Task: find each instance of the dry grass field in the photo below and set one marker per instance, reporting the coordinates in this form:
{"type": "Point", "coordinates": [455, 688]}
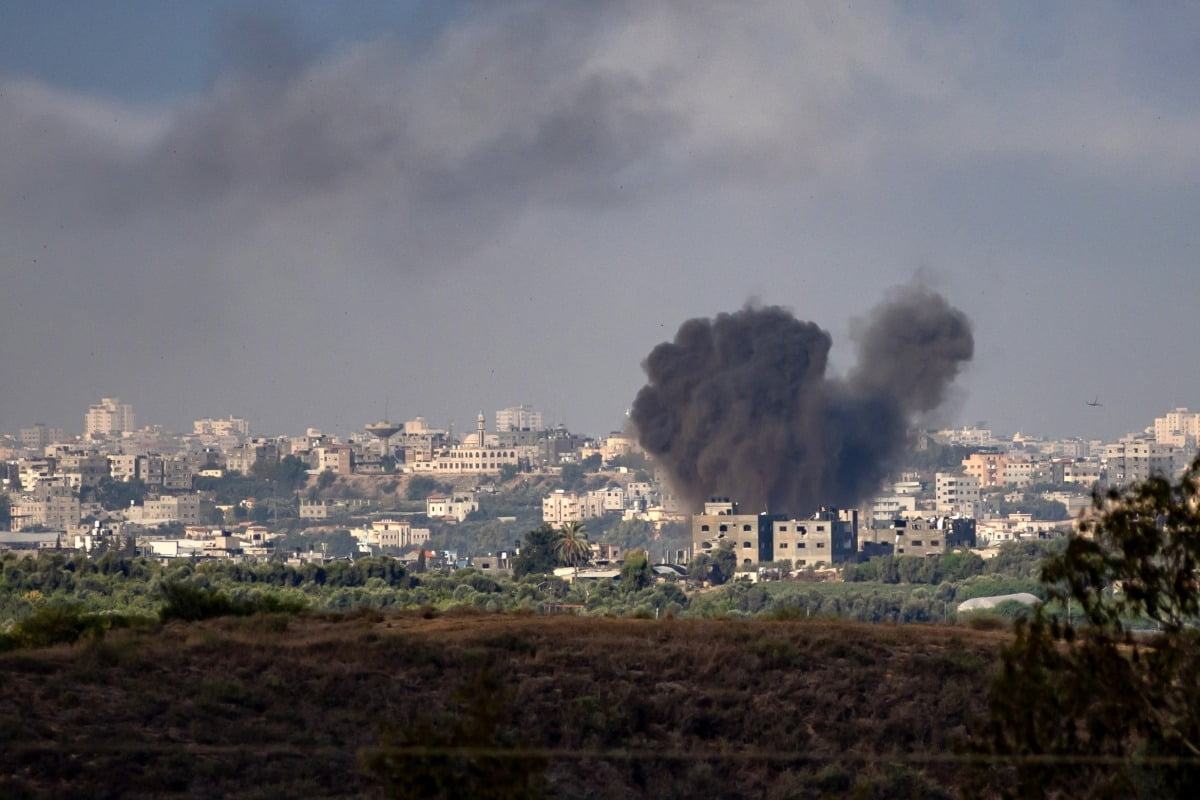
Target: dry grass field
{"type": "Point", "coordinates": [291, 706]}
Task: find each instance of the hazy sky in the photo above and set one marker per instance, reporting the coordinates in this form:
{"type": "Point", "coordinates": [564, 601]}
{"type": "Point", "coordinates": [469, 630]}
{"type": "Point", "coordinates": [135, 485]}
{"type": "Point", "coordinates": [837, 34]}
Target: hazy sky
{"type": "Point", "coordinates": [300, 213]}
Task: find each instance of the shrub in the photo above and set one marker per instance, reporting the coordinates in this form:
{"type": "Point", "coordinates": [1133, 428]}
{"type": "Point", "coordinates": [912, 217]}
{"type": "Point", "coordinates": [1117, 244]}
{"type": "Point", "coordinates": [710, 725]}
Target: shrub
{"type": "Point", "coordinates": [190, 603]}
{"type": "Point", "coordinates": [62, 623]}
{"type": "Point", "coordinates": [985, 621]}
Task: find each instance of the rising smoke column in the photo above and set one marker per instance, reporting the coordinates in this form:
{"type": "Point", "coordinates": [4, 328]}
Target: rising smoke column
{"type": "Point", "coordinates": [740, 405]}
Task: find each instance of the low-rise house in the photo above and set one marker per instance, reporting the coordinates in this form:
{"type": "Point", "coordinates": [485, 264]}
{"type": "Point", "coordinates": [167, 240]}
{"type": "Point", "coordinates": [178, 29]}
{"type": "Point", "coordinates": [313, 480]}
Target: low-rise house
{"type": "Point", "coordinates": [572, 574]}
{"type": "Point", "coordinates": [453, 507]}
{"type": "Point", "coordinates": [28, 543]}
{"type": "Point", "coordinates": [1016, 526]}
{"type": "Point", "coordinates": [392, 534]}
{"type": "Point", "coordinates": [493, 564]}
{"type": "Point", "coordinates": [604, 552]}
{"type": "Point", "coordinates": [174, 548]}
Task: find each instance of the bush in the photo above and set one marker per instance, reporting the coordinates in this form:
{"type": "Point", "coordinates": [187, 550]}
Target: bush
{"type": "Point", "coordinates": [985, 621]}
{"type": "Point", "coordinates": [190, 603]}
{"type": "Point", "coordinates": [51, 624]}
{"type": "Point", "coordinates": [62, 623]}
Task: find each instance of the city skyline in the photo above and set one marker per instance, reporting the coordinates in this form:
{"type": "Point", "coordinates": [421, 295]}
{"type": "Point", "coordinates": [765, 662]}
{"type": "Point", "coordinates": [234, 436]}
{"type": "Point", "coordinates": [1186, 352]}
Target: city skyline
{"type": "Point", "coordinates": [305, 215]}
{"type": "Point", "coordinates": [1163, 424]}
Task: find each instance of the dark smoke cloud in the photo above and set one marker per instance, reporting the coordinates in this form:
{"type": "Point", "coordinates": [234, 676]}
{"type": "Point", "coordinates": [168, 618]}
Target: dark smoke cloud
{"type": "Point", "coordinates": [741, 406]}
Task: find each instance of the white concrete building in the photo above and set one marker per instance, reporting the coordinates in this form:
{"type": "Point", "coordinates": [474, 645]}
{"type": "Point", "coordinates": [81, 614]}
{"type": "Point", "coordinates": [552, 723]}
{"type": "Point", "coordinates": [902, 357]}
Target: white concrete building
{"type": "Point", "coordinates": [561, 506]}
{"type": "Point", "coordinates": [453, 507]}
{"type": "Point", "coordinates": [893, 506]}
{"type": "Point", "coordinates": [598, 502]}
{"type": "Point", "coordinates": [1180, 428]}
{"type": "Point", "coordinates": [471, 460]}
{"type": "Point", "coordinates": [231, 427]}
{"type": "Point", "coordinates": [391, 533]}
{"type": "Point", "coordinates": [516, 418]}
{"type": "Point", "coordinates": [109, 417]}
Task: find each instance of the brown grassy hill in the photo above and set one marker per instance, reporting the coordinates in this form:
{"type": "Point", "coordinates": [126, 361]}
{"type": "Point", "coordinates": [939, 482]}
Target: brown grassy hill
{"type": "Point", "coordinates": [287, 706]}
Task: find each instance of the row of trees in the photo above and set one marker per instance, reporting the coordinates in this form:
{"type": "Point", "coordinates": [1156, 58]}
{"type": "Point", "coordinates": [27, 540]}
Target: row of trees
{"type": "Point", "coordinates": [120, 583]}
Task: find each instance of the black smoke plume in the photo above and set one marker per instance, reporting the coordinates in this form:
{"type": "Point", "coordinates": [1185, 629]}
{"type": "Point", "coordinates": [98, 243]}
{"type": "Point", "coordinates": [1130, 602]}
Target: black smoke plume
{"type": "Point", "coordinates": [741, 406]}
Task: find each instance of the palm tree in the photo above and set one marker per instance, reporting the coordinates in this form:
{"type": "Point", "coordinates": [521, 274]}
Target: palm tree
{"type": "Point", "coordinates": [571, 544]}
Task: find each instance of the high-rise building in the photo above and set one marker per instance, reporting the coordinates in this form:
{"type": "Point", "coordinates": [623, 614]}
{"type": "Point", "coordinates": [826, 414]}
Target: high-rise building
{"type": "Point", "coordinates": [516, 418]}
{"type": "Point", "coordinates": [109, 417]}
{"type": "Point", "coordinates": [1180, 428]}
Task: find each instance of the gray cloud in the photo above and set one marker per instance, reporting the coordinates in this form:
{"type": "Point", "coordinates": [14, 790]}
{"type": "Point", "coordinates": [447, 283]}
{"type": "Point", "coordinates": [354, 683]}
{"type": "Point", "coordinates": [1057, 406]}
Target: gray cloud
{"type": "Point", "coordinates": [216, 232]}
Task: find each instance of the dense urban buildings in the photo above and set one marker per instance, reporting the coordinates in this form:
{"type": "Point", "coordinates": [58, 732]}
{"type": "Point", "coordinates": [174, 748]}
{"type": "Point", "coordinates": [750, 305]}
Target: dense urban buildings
{"type": "Point", "coordinates": [116, 480]}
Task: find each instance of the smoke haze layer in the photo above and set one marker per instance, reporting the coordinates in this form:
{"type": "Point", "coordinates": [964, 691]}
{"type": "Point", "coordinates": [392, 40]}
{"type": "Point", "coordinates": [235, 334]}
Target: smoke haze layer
{"type": "Point", "coordinates": [740, 405]}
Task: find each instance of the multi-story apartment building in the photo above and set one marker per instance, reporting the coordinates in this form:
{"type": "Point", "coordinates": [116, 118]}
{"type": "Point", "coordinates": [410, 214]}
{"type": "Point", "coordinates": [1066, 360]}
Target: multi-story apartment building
{"type": "Point", "coordinates": [1134, 459]}
{"type": "Point", "coordinates": [1088, 473]}
{"type": "Point", "coordinates": [159, 473]}
{"type": "Point", "coordinates": [234, 427]}
{"type": "Point", "coordinates": [390, 533]}
{"type": "Point", "coordinates": [967, 437]}
{"type": "Point", "coordinates": [336, 458]}
{"type": "Point", "coordinates": [986, 466]}
{"type": "Point", "coordinates": [48, 504]}
{"type": "Point", "coordinates": [518, 418]}
{"type": "Point", "coordinates": [39, 436]}
{"type": "Point", "coordinates": [1069, 448]}
{"type": "Point", "coordinates": [83, 469]}
{"type": "Point", "coordinates": [561, 506]}
{"type": "Point", "coordinates": [123, 467]}
{"type": "Point", "coordinates": [893, 506]}
{"type": "Point", "coordinates": [750, 535]}
{"type": "Point", "coordinates": [109, 417]}
{"type": "Point", "coordinates": [918, 536]}
{"type": "Point", "coordinates": [243, 457]}
{"type": "Point", "coordinates": [598, 502]}
{"type": "Point", "coordinates": [184, 508]}
{"type": "Point", "coordinates": [828, 537]}
{"type": "Point", "coordinates": [178, 474]}
{"type": "Point", "coordinates": [957, 494]}
{"type": "Point", "coordinates": [1180, 428]}
{"type": "Point", "coordinates": [32, 471]}
{"type": "Point", "coordinates": [1023, 469]}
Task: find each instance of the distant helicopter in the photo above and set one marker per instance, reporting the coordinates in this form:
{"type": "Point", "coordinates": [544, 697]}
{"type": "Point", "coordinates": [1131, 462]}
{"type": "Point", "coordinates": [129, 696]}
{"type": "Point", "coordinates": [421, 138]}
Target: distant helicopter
{"type": "Point", "coordinates": [1096, 403]}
